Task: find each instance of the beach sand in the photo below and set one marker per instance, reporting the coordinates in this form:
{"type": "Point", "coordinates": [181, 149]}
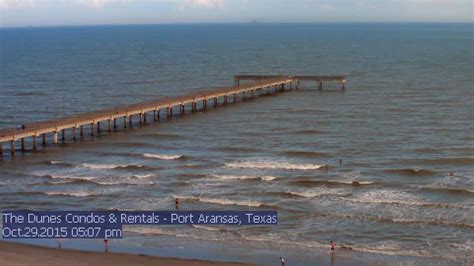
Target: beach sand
{"type": "Point", "coordinates": [24, 254]}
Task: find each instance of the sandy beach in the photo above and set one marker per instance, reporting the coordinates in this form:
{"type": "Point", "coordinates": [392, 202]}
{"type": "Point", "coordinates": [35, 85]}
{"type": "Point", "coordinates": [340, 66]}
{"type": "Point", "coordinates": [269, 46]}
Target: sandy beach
{"type": "Point", "coordinates": [24, 254]}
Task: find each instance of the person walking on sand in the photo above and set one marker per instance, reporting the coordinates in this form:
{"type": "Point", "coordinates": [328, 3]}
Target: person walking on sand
{"type": "Point", "coordinates": [282, 261]}
{"type": "Point", "coordinates": [333, 247]}
{"type": "Point", "coordinates": [106, 245]}
{"type": "Point", "coordinates": [176, 201]}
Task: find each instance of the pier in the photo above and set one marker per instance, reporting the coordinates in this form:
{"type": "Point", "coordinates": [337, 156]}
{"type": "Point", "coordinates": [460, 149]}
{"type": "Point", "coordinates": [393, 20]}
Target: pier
{"type": "Point", "coordinates": [124, 115]}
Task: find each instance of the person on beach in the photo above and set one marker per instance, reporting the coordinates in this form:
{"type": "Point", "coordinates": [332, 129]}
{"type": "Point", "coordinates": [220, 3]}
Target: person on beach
{"type": "Point", "coordinates": [106, 245]}
{"type": "Point", "coordinates": [176, 201]}
{"type": "Point", "coordinates": [282, 261]}
{"type": "Point", "coordinates": [333, 247]}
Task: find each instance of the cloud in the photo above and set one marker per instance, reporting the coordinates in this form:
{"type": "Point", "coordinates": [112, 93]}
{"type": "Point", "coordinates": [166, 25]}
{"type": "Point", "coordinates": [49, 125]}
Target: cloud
{"type": "Point", "coordinates": [32, 3]}
{"type": "Point", "coordinates": [99, 3]}
{"type": "Point", "coordinates": [205, 3]}
{"type": "Point", "coordinates": [16, 3]}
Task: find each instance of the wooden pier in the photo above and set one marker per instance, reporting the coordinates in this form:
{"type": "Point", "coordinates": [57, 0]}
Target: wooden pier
{"type": "Point", "coordinates": [318, 79]}
{"type": "Point", "coordinates": [111, 116]}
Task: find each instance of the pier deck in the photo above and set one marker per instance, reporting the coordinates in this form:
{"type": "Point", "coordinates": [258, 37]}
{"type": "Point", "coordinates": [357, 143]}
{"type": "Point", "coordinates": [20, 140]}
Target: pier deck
{"type": "Point", "coordinates": [110, 116]}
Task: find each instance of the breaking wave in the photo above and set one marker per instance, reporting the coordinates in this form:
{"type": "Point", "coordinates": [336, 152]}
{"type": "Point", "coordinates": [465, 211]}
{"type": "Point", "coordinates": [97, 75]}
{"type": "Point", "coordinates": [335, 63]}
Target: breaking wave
{"type": "Point", "coordinates": [70, 194]}
{"type": "Point", "coordinates": [163, 156]}
{"type": "Point", "coordinates": [221, 201]}
{"type": "Point", "coordinates": [317, 183]}
{"type": "Point", "coordinates": [274, 165]}
{"type": "Point", "coordinates": [113, 166]}
{"type": "Point", "coordinates": [244, 177]}
{"type": "Point", "coordinates": [411, 172]}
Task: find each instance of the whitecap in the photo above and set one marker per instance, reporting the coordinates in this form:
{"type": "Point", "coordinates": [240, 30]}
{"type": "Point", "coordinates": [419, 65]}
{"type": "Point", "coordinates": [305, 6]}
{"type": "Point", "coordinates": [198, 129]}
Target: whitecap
{"type": "Point", "coordinates": [243, 177]}
{"type": "Point", "coordinates": [72, 194]}
{"type": "Point", "coordinates": [162, 156]}
{"type": "Point", "coordinates": [274, 165]}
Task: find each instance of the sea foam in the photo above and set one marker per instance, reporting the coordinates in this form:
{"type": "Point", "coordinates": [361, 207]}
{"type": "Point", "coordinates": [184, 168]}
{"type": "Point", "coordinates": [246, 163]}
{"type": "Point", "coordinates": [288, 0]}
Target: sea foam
{"type": "Point", "coordinates": [274, 165]}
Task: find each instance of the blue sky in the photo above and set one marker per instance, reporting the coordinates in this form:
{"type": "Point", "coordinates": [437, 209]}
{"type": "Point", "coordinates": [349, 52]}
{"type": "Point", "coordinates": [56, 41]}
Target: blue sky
{"type": "Point", "coordinates": [19, 13]}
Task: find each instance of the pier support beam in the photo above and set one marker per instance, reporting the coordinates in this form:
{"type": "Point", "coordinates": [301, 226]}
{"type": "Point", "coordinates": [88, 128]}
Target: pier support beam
{"type": "Point", "coordinates": [130, 121]}
{"type": "Point", "coordinates": [98, 127]}
{"type": "Point", "coordinates": [82, 131]}
{"type": "Point", "coordinates": [12, 147]}
{"type": "Point", "coordinates": [225, 99]}
{"type": "Point", "coordinates": [154, 115]}
{"type": "Point", "coordinates": [34, 143]}
{"type": "Point", "coordinates": [298, 84]}
{"type": "Point", "coordinates": [115, 123]}
{"type": "Point", "coordinates": [181, 109]}
{"type": "Point", "coordinates": [92, 129]}
{"type": "Point", "coordinates": [110, 125]}
{"type": "Point", "coordinates": [63, 134]}
{"type": "Point", "coordinates": [320, 86]}
{"type": "Point", "coordinates": [55, 137]}
{"type": "Point", "coordinates": [204, 104]}
{"type": "Point", "coordinates": [44, 138]}
{"type": "Point", "coordinates": [1, 148]}
{"type": "Point", "coordinates": [140, 118]}
{"type": "Point", "coordinates": [144, 118]}
{"type": "Point", "coordinates": [22, 144]}
{"type": "Point", "coordinates": [158, 115]}
{"type": "Point", "coordinates": [74, 133]}
{"type": "Point", "coordinates": [343, 86]}
{"type": "Point", "coordinates": [215, 102]}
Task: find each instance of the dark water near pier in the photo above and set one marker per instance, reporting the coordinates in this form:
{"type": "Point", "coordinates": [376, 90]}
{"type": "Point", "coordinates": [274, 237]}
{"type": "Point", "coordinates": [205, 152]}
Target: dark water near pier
{"type": "Point", "coordinates": [404, 123]}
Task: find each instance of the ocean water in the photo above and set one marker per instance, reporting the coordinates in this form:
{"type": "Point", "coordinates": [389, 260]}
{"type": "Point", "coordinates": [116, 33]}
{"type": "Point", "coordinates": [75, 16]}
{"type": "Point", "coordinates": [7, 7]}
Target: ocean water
{"type": "Point", "coordinates": [403, 124]}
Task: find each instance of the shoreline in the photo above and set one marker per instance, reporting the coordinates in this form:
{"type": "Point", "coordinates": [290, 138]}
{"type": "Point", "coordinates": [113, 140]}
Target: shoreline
{"type": "Point", "coordinates": [13, 253]}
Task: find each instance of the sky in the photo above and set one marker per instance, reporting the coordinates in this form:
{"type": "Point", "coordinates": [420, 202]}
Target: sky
{"type": "Point", "coordinates": [21, 13]}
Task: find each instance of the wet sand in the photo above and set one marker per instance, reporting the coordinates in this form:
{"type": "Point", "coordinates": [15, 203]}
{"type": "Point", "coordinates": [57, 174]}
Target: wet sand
{"type": "Point", "coordinates": [24, 254]}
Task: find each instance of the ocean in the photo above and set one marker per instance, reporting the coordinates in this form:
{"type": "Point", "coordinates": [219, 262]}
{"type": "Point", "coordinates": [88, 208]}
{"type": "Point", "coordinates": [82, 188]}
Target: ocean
{"type": "Point", "coordinates": [404, 123]}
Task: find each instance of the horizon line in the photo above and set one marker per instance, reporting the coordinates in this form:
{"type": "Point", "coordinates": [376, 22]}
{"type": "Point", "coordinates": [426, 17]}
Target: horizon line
{"type": "Point", "coordinates": [235, 23]}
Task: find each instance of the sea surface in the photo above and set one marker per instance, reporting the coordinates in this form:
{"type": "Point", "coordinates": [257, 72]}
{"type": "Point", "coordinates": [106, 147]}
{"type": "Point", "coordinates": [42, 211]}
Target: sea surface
{"type": "Point", "coordinates": [404, 123]}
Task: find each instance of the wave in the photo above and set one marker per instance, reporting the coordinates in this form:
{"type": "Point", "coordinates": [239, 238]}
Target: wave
{"type": "Point", "coordinates": [210, 228]}
{"type": "Point", "coordinates": [274, 165]}
{"type": "Point", "coordinates": [114, 166]}
{"type": "Point", "coordinates": [163, 156]}
{"type": "Point", "coordinates": [368, 199]}
{"type": "Point", "coordinates": [411, 172]}
{"type": "Point", "coordinates": [317, 183]}
{"type": "Point", "coordinates": [238, 149]}
{"type": "Point", "coordinates": [221, 201]}
{"type": "Point", "coordinates": [309, 132]}
{"type": "Point", "coordinates": [70, 194]}
{"type": "Point", "coordinates": [306, 154]}
{"type": "Point", "coordinates": [449, 190]}
{"type": "Point", "coordinates": [235, 177]}
{"type": "Point", "coordinates": [70, 177]}
{"type": "Point", "coordinates": [448, 161]}
{"type": "Point", "coordinates": [307, 193]}
{"type": "Point", "coordinates": [162, 135]}
{"type": "Point", "coordinates": [143, 176]}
